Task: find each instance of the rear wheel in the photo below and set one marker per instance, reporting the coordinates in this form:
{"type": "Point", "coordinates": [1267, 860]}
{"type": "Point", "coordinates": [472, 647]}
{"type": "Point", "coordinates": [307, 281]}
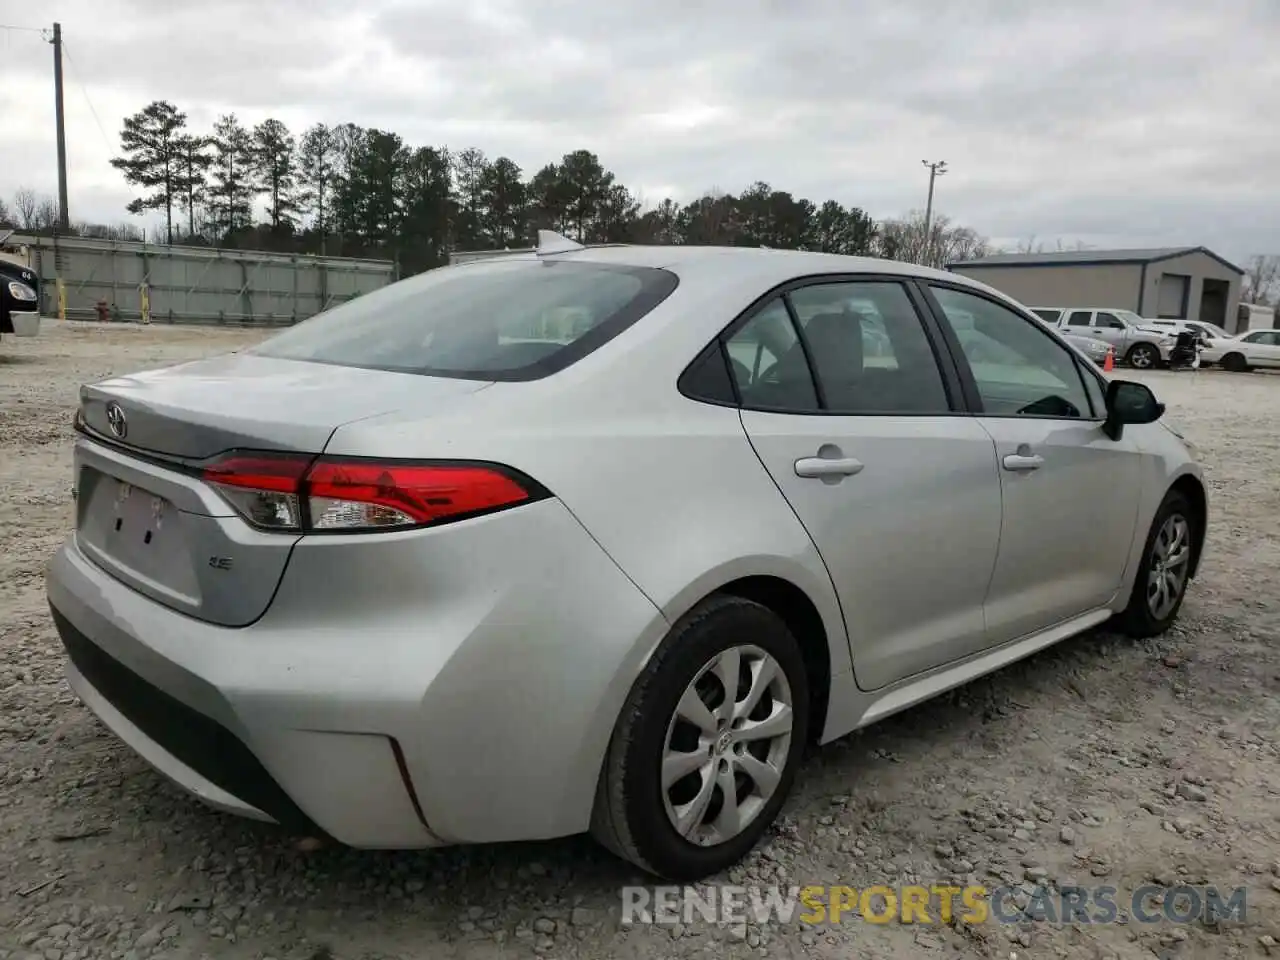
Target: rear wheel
{"type": "Point", "coordinates": [1161, 584]}
{"type": "Point", "coordinates": [1143, 356]}
{"type": "Point", "coordinates": [1235, 362]}
{"type": "Point", "coordinates": [706, 748]}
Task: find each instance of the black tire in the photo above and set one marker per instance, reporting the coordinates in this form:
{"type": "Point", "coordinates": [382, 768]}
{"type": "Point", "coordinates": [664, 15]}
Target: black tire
{"type": "Point", "coordinates": [1138, 620]}
{"type": "Point", "coordinates": [630, 816]}
{"type": "Point", "coordinates": [1235, 362]}
{"type": "Point", "coordinates": [1143, 356]}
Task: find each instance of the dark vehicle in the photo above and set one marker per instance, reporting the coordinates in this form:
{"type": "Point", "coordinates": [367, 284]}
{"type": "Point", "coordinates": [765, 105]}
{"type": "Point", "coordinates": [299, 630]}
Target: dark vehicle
{"type": "Point", "coordinates": [1185, 354]}
{"type": "Point", "coordinates": [19, 292]}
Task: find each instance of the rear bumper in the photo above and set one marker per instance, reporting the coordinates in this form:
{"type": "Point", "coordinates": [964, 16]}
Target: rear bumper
{"type": "Point", "coordinates": [448, 686]}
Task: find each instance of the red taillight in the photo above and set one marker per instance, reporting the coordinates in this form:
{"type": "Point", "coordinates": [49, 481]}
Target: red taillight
{"type": "Point", "coordinates": [337, 494]}
{"type": "Point", "coordinates": [281, 474]}
{"type": "Point", "coordinates": [390, 495]}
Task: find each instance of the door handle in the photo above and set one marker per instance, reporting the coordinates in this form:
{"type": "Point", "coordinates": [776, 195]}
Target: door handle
{"type": "Point", "coordinates": [1021, 463]}
{"type": "Point", "coordinates": [828, 467]}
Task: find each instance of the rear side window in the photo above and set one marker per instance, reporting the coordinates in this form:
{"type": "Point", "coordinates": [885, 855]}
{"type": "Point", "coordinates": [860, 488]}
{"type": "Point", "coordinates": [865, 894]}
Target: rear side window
{"type": "Point", "coordinates": [507, 320]}
{"type": "Point", "coordinates": [1049, 316]}
{"type": "Point", "coordinates": [1080, 318]}
{"type": "Point", "coordinates": [869, 349]}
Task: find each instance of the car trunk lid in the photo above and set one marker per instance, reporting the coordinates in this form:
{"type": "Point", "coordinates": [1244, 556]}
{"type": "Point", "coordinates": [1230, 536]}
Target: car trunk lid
{"type": "Point", "coordinates": [144, 514]}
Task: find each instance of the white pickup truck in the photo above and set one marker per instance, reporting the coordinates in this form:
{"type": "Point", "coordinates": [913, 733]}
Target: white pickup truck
{"type": "Point", "coordinates": [1136, 341]}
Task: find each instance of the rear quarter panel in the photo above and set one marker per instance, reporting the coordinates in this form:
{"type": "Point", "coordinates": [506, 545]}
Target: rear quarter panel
{"type": "Point", "coordinates": [669, 487]}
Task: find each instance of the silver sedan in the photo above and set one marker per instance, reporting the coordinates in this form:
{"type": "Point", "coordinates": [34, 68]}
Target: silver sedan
{"type": "Point", "coordinates": [599, 539]}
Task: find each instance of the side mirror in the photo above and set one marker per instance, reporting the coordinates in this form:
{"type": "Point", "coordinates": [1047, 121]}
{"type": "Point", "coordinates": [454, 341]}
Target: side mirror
{"type": "Point", "coordinates": [1129, 402]}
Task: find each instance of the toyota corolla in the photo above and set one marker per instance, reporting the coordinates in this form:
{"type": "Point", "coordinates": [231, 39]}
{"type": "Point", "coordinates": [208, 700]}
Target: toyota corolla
{"type": "Point", "coordinates": [599, 539]}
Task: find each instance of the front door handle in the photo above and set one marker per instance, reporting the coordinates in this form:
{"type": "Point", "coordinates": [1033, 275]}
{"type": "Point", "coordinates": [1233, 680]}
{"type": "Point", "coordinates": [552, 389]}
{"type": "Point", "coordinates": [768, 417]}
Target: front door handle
{"type": "Point", "coordinates": [1021, 463]}
{"type": "Point", "coordinates": [828, 467]}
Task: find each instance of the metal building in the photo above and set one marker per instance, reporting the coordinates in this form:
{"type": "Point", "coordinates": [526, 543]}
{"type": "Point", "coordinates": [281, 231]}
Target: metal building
{"type": "Point", "coordinates": [1175, 283]}
{"type": "Point", "coordinates": [194, 284]}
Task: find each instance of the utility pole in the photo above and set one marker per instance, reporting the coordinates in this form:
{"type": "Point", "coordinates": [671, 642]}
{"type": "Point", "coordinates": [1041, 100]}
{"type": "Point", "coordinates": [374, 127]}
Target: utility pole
{"type": "Point", "coordinates": [60, 119]}
{"type": "Point", "coordinates": [936, 170]}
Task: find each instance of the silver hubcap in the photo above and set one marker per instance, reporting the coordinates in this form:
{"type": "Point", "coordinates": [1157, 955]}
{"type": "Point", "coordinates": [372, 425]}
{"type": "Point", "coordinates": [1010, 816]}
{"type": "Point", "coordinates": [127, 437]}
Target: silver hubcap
{"type": "Point", "coordinates": [1169, 558]}
{"type": "Point", "coordinates": [1141, 358]}
{"type": "Point", "coordinates": [726, 745]}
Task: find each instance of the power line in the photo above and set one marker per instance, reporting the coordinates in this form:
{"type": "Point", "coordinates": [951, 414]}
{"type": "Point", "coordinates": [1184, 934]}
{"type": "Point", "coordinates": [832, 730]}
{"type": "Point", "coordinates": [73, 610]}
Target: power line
{"type": "Point", "coordinates": [9, 26]}
{"type": "Point", "coordinates": [85, 93]}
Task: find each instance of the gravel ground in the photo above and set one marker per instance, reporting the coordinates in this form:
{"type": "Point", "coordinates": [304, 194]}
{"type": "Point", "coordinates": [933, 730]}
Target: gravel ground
{"type": "Point", "coordinates": [1101, 761]}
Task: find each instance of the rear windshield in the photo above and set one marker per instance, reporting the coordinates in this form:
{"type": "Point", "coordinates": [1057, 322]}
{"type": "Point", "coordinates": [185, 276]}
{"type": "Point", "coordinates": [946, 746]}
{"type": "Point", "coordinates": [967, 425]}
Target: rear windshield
{"type": "Point", "coordinates": [505, 320]}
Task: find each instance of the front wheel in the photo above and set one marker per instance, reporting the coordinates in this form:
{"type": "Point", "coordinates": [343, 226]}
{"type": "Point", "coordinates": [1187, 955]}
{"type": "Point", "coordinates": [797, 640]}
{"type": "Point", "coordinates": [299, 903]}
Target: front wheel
{"type": "Point", "coordinates": [1235, 362]}
{"type": "Point", "coordinates": [1161, 583]}
{"type": "Point", "coordinates": [706, 749]}
{"type": "Point", "coordinates": [1143, 356]}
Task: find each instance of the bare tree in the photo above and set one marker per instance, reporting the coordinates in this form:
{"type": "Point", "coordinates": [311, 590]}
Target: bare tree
{"type": "Point", "coordinates": [47, 214]}
{"type": "Point", "coordinates": [6, 216]}
{"type": "Point", "coordinates": [1261, 279]}
{"type": "Point", "coordinates": [26, 202]}
{"type": "Point", "coordinates": [945, 243]}
{"type": "Point", "coordinates": [107, 231]}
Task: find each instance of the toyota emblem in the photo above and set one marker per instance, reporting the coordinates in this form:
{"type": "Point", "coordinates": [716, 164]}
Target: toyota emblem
{"type": "Point", "coordinates": [116, 420]}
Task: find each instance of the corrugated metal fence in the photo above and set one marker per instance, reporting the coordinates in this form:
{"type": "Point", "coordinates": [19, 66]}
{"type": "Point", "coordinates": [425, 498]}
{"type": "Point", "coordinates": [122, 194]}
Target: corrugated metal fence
{"type": "Point", "coordinates": [195, 284]}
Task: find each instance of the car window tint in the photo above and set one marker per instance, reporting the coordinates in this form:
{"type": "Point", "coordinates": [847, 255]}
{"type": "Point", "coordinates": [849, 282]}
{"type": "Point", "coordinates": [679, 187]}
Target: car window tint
{"type": "Point", "coordinates": [707, 378]}
{"type": "Point", "coordinates": [1081, 318]}
{"type": "Point", "coordinates": [1020, 370]}
{"type": "Point", "coordinates": [1109, 320]}
{"type": "Point", "coordinates": [769, 363]}
{"type": "Point", "coordinates": [869, 348]}
{"type": "Point", "coordinates": [505, 320]}
{"type": "Point", "coordinates": [1051, 316]}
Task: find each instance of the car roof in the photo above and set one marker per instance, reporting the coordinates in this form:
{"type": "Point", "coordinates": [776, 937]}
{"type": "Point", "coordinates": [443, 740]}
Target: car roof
{"type": "Point", "coordinates": [766, 267]}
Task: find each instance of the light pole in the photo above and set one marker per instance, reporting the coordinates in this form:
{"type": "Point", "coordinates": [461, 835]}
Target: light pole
{"type": "Point", "coordinates": [936, 169]}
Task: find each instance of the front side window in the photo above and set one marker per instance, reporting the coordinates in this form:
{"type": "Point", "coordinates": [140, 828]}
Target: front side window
{"type": "Point", "coordinates": [870, 352]}
{"type": "Point", "coordinates": [1019, 369]}
{"type": "Point", "coordinates": [503, 320]}
{"type": "Point", "coordinates": [1110, 321]}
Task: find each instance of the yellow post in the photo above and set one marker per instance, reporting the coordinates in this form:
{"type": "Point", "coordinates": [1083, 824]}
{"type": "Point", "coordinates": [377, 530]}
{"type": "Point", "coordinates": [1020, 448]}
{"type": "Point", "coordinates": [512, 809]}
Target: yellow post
{"type": "Point", "coordinates": [62, 299]}
{"type": "Point", "coordinates": [144, 297]}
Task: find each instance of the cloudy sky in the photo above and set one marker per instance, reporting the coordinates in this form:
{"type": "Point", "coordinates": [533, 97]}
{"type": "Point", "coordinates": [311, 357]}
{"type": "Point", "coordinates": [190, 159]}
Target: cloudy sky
{"type": "Point", "coordinates": [1107, 122]}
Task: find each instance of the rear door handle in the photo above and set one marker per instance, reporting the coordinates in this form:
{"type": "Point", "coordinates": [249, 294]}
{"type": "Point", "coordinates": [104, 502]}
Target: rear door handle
{"type": "Point", "coordinates": [1021, 463]}
{"type": "Point", "coordinates": [828, 467]}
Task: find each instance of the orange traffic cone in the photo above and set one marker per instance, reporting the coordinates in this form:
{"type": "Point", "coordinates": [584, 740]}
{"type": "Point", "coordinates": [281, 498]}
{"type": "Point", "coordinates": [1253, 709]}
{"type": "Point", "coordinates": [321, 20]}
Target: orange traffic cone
{"type": "Point", "coordinates": [1109, 364]}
